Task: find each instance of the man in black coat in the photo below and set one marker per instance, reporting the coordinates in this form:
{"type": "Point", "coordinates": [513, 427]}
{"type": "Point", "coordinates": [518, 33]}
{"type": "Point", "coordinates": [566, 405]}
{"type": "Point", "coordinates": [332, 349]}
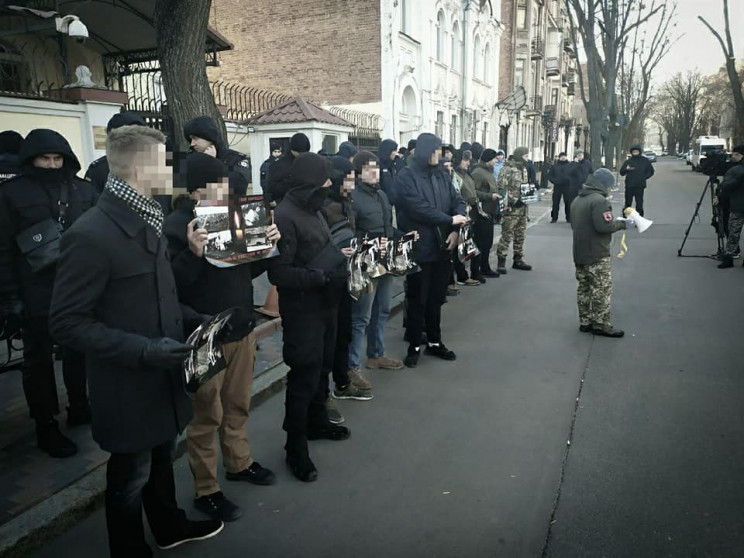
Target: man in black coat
{"type": "Point", "coordinates": [276, 154]}
{"type": "Point", "coordinates": [430, 205]}
{"type": "Point", "coordinates": [280, 179]}
{"type": "Point", "coordinates": [578, 170]}
{"type": "Point", "coordinates": [560, 176]}
{"type": "Point", "coordinates": [115, 300]}
{"type": "Point", "coordinates": [204, 136]}
{"type": "Point", "coordinates": [388, 167]}
{"type": "Point", "coordinates": [10, 146]}
{"type": "Point", "coordinates": [310, 275]}
{"type": "Point", "coordinates": [636, 170]}
{"type": "Point", "coordinates": [732, 192]}
{"type": "Point", "coordinates": [222, 404]}
{"type": "Point", "coordinates": [38, 204]}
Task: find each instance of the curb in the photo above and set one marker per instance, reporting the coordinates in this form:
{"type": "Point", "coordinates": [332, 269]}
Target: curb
{"type": "Point", "coordinates": [34, 527]}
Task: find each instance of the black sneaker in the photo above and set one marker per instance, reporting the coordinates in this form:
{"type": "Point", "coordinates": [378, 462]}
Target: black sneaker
{"type": "Point", "coordinates": [440, 351]}
{"type": "Point", "coordinates": [491, 273]}
{"type": "Point", "coordinates": [301, 466]}
{"type": "Point", "coordinates": [52, 441]}
{"type": "Point", "coordinates": [194, 531]}
{"type": "Point", "coordinates": [218, 506]}
{"type": "Point", "coordinates": [607, 331]}
{"type": "Point", "coordinates": [411, 360]}
{"type": "Point", "coordinates": [254, 474]}
{"type": "Point", "coordinates": [328, 431]}
{"type": "Point", "coordinates": [480, 279]}
{"type": "Point", "coordinates": [78, 415]}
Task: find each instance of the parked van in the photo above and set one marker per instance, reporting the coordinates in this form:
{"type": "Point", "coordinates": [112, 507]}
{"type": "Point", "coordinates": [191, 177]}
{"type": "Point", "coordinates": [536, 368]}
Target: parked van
{"type": "Point", "coordinates": [703, 146]}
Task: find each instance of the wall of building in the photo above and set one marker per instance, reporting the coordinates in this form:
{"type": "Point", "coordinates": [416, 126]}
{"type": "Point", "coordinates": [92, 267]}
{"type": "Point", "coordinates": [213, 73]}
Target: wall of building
{"type": "Point", "coordinates": [328, 51]}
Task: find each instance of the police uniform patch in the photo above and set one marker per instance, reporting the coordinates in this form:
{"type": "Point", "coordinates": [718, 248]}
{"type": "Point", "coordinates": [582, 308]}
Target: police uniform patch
{"type": "Point", "coordinates": [607, 216]}
{"type": "Point", "coordinates": [243, 163]}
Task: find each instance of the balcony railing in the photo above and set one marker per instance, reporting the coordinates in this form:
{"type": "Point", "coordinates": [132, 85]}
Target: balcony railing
{"type": "Point", "coordinates": [538, 49]}
{"type": "Point", "coordinates": [552, 67]}
{"type": "Point", "coordinates": [571, 90]}
{"type": "Point", "coordinates": [568, 48]}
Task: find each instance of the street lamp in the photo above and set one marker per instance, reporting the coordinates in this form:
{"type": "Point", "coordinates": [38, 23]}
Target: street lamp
{"type": "Point", "coordinates": [567, 125]}
{"type": "Point", "coordinates": [577, 142]}
{"type": "Point", "coordinates": [586, 137]}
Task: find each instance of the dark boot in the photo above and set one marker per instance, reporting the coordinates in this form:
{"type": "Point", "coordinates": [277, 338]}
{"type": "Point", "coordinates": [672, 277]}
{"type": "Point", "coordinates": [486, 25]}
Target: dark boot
{"type": "Point", "coordinates": [726, 262]}
{"type": "Point", "coordinates": [519, 263]}
{"type": "Point", "coordinates": [501, 265]}
{"type": "Point", "coordinates": [78, 415]}
{"type": "Point", "coordinates": [606, 330]}
{"type": "Point", "coordinates": [52, 441]}
{"type": "Point", "coordinates": [298, 459]}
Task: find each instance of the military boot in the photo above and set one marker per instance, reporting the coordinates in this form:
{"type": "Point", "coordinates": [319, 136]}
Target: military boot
{"type": "Point", "coordinates": [726, 262]}
{"type": "Point", "coordinates": [519, 263]}
{"type": "Point", "coordinates": [501, 265]}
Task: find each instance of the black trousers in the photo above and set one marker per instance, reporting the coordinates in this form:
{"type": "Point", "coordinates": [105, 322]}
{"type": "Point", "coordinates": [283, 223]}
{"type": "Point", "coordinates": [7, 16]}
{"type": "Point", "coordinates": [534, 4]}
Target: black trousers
{"type": "Point", "coordinates": [458, 270]}
{"type": "Point", "coordinates": [39, 382]}
{"type": "Point", "coordinates": [309, 328]}
{"type": "Point", "coordinates": [340, 370]}
{"type": "Point", "coordinates": [636, 193]}
{"type": "Point", "coordinates": [558, 193]}
{"type": "Point", "coordinates": [427, 290]}
{"type": "Point", "coordinates": [483, 233]}
{"type": "Point", "coordinates": [134, 480]}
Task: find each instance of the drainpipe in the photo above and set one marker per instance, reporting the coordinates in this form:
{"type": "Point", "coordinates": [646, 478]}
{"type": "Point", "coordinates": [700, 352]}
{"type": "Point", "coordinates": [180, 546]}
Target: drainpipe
{"type": "Point", "coordinates": [465, 88]}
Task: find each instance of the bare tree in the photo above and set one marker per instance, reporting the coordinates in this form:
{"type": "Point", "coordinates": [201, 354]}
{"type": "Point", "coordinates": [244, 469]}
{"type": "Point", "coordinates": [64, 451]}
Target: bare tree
{"type": "Point", "coordinates": [603, 27]}
{"type": "Point", "coordinates": [685, 104]}
{"type": "Point", "coordinates": [181, 36]}
{"type": "Point", "coordinates": [734, 79]}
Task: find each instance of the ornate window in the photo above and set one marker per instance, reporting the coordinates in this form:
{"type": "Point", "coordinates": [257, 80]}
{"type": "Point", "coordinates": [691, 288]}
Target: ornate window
{"type": "Point", "coordinates": [456, 49]}
{"type": "Point", "coordinates": [13, 70]}
{"type": "Point", "coordinates": [487, 64]}
{"type": "Point", "coordinates": [440, 36]}
{"type": "Point", "coordinates": [477, 63]}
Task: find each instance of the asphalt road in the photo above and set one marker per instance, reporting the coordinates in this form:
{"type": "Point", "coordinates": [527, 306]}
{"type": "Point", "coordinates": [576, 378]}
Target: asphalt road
{"type": "Point", "coordinates": [471, 458]}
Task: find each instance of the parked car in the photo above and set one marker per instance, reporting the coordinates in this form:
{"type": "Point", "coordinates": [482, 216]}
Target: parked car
{"type": "Point", "coordinates": [664, 153]}
{"type": "Point", "coordinates": [688, 157]}
{"type": "Point", "coordinates": [650, 155]}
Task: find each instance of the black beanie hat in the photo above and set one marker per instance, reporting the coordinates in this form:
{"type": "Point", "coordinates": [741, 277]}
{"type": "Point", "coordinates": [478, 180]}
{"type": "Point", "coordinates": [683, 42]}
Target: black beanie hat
{"type": "Point", "coordinates": [363, 158]}
{"type": "Point", "coordinates": [203, 169]}
{"type": "Point", "coordinates": [461, 155]}
{"type": "Point", "coordinates": [477, 150]}
{"type": "Point", "coordinates": [411, 144]}
{"type": "Point", "coordinates": [10, 142]}
{"type": "Point", "coordinates": [274, 146]}
{"type": "Point", "coordinates": [562, 154]}
{"type": "Point", "coordinates": [125, 119]}
{"type": "Point", "coordinates": [488, 155]}
{"type": "Point", "coordinates": [299, 143]}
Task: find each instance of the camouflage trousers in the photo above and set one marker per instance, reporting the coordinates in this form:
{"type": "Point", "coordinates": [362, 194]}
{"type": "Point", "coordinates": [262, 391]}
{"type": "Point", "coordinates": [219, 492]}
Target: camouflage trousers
{"type": "Point", "coordinates": [513, 228]}
{"type": "Point", "coordinates": [594, 292]}
{"type": "Point", "coordinates": [735, 224]}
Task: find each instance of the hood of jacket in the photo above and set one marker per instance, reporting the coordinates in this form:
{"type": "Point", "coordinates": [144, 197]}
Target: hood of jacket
{"type": "Point", "coordinates": [347, 149]}
{"type": "Point", "coordinates": [41, 141]}
{"type": "Point", "coordinates": [426, 144]}
{"type": "Point", "coordinates": [386, 148]}
{"type": "Point", "coordinates": [593, 186]}
{"type": "Point", "coordinates": [205, 127]}
{"type": "Point", "coordinates": [309, 172]}
{"type": "Point", "coordinates": [500, 163]}
{"type": "Point", "coordinates": [340, 168]}
{"type": "Point", "coordinates": [638, 148]}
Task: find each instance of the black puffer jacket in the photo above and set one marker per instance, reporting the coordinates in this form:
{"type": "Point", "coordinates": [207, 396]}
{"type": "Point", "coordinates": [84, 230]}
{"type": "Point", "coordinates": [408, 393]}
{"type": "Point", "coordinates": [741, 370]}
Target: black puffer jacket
{"type": "Point", "coordinates": [559, 174]}
{"type": "Point", "coordinates": [732, 187]}
{"type": "Point", "coordinates": [279, 179]}
{"type": "Point", "coordinates": [388, 168]}
{"type": "Point", "coordinates": [637, 169]}
{"type": "Point", "coordinates": [374, 215]}
{"type": "Point", "coordinates": [29, 199]}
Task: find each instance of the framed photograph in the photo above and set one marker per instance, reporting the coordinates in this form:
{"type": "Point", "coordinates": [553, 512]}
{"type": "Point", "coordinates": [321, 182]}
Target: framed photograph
{"type": "Point", "coordinates": [207, 359]}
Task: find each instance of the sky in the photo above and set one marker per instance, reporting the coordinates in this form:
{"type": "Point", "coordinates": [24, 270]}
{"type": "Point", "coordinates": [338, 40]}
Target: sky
{"type": "Point", "coordinates": [698, 48]}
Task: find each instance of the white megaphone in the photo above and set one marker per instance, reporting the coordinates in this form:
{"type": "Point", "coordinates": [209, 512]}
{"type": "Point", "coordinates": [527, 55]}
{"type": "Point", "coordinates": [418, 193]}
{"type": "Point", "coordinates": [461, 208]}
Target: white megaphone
{"type": "Point", "coordinates": [641, 223]}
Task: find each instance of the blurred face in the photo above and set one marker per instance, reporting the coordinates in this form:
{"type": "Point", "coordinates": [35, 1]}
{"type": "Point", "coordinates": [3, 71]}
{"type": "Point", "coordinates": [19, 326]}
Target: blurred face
{"type": "Point", "coordinates": [448, 165]}
{"type": "Point", "coordinates": [562, 158]}
{"type": "Point", "coordinates": [635, 152]}
{"type": "Point", "coordinates": [276, 153]}
{"type": "Point", "coordinates": [737, 157]}
{"type": "Point", "coordinates": [49, 161]}
{"type": "Point", "coordinates": [464, 165]}
{"type": "Point", "coordinates": [347, 186]}
{"type": "Point", "coordinates": [371, 173]}
{"type": "Point", "coordinates": [579, 156]}
{"type": "Point", "coordinates": [434, 158]}
{"type": "Point", "coordinates": [200, 144]}
{"type": "Point", "coordinates": [499, 157]}
{"type": "Point", "coordinates": [213, 191]}
{"type": "Point", "coordinates": [393, 155]}
{"type": "Point", "coordinates": [151, 173]}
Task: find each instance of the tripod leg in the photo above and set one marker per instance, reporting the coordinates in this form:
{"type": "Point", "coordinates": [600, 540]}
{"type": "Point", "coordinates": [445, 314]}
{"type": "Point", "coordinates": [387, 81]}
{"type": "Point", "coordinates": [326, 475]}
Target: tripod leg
{"type": "Point", "coordinates": [695, 215]}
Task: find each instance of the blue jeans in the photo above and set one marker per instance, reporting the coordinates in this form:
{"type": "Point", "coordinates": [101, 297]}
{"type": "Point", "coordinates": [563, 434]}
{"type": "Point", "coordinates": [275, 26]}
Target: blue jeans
{"type": "Point", "coordinates": [369, 316]}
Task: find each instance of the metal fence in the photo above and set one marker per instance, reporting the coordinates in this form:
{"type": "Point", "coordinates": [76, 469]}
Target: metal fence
{"type": "Point", "coordinates": [243, 102]}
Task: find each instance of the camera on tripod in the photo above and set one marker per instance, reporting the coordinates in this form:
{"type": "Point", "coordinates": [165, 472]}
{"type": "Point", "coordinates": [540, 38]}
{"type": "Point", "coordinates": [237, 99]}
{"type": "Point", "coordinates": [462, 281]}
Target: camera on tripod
{"type": "Point", "coordinates": [716, 163]}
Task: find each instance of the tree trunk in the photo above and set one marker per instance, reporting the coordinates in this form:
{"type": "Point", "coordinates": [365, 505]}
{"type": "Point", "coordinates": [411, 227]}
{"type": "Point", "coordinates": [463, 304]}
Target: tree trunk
{"type": "Point", "coordinates": [181, 36]}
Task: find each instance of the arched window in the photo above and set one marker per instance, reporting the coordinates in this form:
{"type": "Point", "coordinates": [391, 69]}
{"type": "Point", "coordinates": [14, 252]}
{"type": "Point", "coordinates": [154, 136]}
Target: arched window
{"type": "Point", "coordinates": [456, 47]}
{"type": "Point", "coordinates": [487, 64]}
{"type": "Point", "coordinates": [440, 36]}
{"type": "Point", "coordinates": [477, 58]}
{"type": "Point", "coordinates": [409, 102]}
{"type": "Point", "coordinates": [13, 70]}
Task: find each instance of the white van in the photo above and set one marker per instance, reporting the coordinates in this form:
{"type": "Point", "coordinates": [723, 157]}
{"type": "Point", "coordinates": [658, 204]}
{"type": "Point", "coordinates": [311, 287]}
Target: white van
{"type": "Point", "coordinates": [703, 146]}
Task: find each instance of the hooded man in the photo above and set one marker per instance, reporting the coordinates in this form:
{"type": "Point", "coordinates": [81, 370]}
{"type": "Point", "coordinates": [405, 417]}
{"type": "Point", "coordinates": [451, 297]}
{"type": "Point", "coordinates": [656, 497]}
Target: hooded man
{"type": "Point", "coordinates": [36, 207]}
{"type": "Point", "coordinates": [593, 224]}
{"type": "Point", "coordinates": [579, 170]}
{"type": "Point", "coordinates": [98, 170]}
{"type": "Point", "coordinates": [279, 179]}
{"type": "Point", "coordinates": [514, 222]}
{"type": "Point", "coordinates": [488, 196]}
{"type": "Point", "coordinates": [428, 203]}
{"type": "Point", "coordinates": [276, 154]}
{"type": "Point", "coordinates": [347, 150]}
{"type": "Point", "coordinates": [10, 145]}
{"type": "Point", "coordinates": [477, 150]}
{"type": "Point", "coordinates": [463, 183]}
{"type": "Point", "coordinates": [732, 191]}
{"type": "Point", "coordinates": [388, 168]}
{"type": "Point", "coordinates": [203, 135]}
{"type": "Point", "coordinates": [310, 275]}
{"type": "Point", "coordinates": [636, 170]}
{"type": "Point", "coordinates": [560, 176]}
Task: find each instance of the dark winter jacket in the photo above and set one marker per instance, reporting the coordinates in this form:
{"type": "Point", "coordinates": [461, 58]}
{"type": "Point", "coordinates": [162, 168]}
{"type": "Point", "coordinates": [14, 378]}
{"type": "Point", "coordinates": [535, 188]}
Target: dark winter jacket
{"type": "Point", "coordinates": [347, 150]}
{"type": "Point", "coordinates": [265, 166]}
{"type": "Point", "coordinates": [426, 201]}
{"type": "Point", "coordinates": [238, 164]}
{"type": "Point", "coordinates": [531, 172]}
{"type": "Point", "coordinates": [467, 189]}
{"type": "Point", "coordinates": [279, 179]}
{"type": "Point", "coordinates": [309, 264]}
{"type": "Point", "coordinates": [31, 198]}
{"type": "Point", "coordinates": [636, 170]}
{"type": "Point", "coordinates": [485, 186]}
{"type": "Point", "coordinates": [206, 288]}
{"type": "Point", "coordinates": [732, 187]}
{"type": "Point", "coordinates": [578, 172]}
{"type": "Point", "coordinates": [373, 212]}
{"type": "Point", "coordinates": [115, 292]}
{"type": "Point", "coordinates": [9, 166]}
{"type": "Point", "coordinates": [337, 208]}
{"type": "Point", "coordinates": [388, 168]}
{"type": "Point", "coordinates": [559, 174]}
{"type": "Point", "coordinates": [592, 223]}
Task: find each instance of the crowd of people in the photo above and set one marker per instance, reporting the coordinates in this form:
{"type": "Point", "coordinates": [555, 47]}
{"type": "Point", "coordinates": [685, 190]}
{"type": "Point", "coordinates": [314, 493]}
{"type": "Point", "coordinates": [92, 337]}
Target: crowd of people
{"type": "Point", "coordinates": [112, 270]}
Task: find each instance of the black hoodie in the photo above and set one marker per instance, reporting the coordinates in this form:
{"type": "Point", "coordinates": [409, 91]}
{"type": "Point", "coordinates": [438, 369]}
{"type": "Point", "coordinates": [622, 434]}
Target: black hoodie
{"type": "Point", "coordinates": [29, 199]}
{"type": "Point", "coordinates": [308, 258]}
{"type": "Point", "coordinates": [388, 168]}
{"type": "Point", "coordinates": [637, 169]}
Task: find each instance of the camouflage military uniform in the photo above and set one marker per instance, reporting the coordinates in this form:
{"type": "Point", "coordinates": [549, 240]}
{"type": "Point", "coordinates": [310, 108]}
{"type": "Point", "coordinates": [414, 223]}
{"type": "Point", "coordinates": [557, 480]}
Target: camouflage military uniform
{"type": "Point", "coordinates": [513, 222]}
{"type": "Point", "coordinates": [594, 292]}
{"type": "Point", "coordinates": [735, 224]}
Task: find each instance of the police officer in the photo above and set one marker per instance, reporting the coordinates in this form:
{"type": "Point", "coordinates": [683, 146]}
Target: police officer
{"type": "Point", "coordinates": [732, 190]}
{"type": "Point", "coordinates": [204, 136]}
{"type": "Point", "coordinates": [276, 153]}
{"type": "Point", "coordinates": [98, 170]}
{"type": "Point", "coordinates": [10, 145]}
{"type": "Point", "coordinates": [593, 224]}
{"type": "Point", "coordinates": [514, 222]}
{"type": "Point", "coordinates": [42, 201]}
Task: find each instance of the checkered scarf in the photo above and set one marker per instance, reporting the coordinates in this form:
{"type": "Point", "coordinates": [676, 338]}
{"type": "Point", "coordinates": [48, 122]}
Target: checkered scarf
{"type": "Point", "coordinates": [147, 208]}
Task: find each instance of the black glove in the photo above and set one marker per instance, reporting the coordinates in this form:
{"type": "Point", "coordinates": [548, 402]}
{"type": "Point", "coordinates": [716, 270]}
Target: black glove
{"type": "Point", "coordinates": [165, 353]}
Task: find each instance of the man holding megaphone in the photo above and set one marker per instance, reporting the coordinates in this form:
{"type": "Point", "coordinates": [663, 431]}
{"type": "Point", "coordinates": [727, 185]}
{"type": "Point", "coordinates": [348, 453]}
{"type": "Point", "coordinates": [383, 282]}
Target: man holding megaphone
{"type": "Point", "coordinates": [593, 224]}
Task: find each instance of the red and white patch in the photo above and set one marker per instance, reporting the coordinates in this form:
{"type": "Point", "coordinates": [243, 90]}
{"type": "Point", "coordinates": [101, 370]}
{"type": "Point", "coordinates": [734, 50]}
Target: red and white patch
{"type": "Point", "coordinates": [607, 216]}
